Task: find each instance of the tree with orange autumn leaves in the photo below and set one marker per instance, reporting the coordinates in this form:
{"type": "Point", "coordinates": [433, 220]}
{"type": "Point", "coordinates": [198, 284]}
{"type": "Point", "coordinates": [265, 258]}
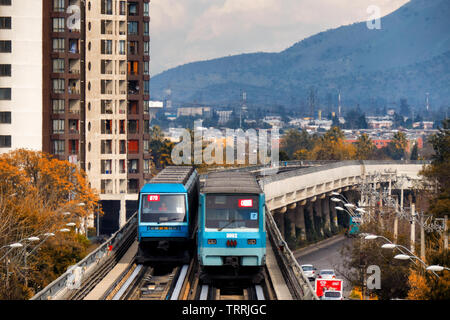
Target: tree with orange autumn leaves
{"type": "Point", "coordinates": [35, 192]}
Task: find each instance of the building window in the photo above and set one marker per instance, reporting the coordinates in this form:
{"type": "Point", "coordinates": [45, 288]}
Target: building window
{"type": "Point", "coordinates": [133, 146]}
{"type": "Point", "coordinates": [59, 147]}
{"type": "Point", "coordinates": [122, 47]}
{"type": "Point", "coordinates": [73, 147]}
{"type": "Point", "coordinates": [147, 166]}
{"type": "Point", "coordinates": [132, 9]}
{"type": "Point", "coordinates": [123, 147]}
{"type": "Point", "coordinates": [5, 2]}
{"type": "Point", "coordinates": [146, 146]}
{"type": "Point", "coordinates": [73, 126]}
{"type": "Point", "coordinates": [146, 9]}
{"type": "Point", "coordinates": [58, 65]}
{"type": "Point", "coordinates": [5, 141]}
{"type": "Point", "coordinates": [106, 166]}
{"type": "Point", "coordinates": [5, 117]}
{"type": "Point", "coordinates": [146, 87]}
{"type": "Point", "coordinates": [5, 22]}
{"type": "Point", "coordinates": [146, 28]}
{"type": "Point", "coordinates": [133, 126]}
{"type": "Point", "coordinates": [5, 70]}
{"type": "Point", "coordinates": [58, 45]}
{"type": "Point", "coordinates": [146, 68]}
{"type": "Point", "coordinates": [58, 126]}
{"type": "Point", "coordinates": [5, 46]}
{"type": "Point", "coordinates": [58, 106]}
{"type": "Point", "coordinates": [107, 7]}
{"type": "Point", "coordinates": [58, 5]}
{"type": "Point", "coordinates": [106, 147]}
{"type": "Point", "coordinates": [5, 93]}
{"type": "Point", "coordinates": [58, 24]}
{"type": "Point", "coordinates": [106, 126]}
{"type": "Point", "coordinates": [121, 126]}
{"type": "Point", "coordinates": [123, 8]}
{"type": "Point", "coordinates": [58, 85]}
{"type": "Point", "coordinates": [133, 67]}
{"type": "Point", "coordinates": [146, 48]}
{"type": "Point", "coordinates": [107, 47]}
{"type": "Point", "coordinates": [133, 166]}
{"type": "Point", "coordinates": [133, 47]}
{"type": "Point", "coordinates": [133, 28]}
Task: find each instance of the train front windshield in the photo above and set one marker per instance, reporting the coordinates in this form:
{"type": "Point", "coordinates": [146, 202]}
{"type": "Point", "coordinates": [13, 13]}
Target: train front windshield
{"type": "Point", "coordinates": [161, 208]}
{"type": "Point", "coordinates": [232, 211]}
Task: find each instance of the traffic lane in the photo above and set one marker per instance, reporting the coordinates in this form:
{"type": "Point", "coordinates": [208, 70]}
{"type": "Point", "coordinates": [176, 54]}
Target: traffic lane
{"type": "Point", "coordinates": [328, 257]}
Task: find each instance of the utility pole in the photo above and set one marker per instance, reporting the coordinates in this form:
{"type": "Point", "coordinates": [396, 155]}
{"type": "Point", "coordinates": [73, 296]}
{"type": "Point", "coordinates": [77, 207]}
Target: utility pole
{"type": "Point", "coordinates": [413, 227]}
{"type": "Point", "coordinates": [422, 238]}
{"type": "Point", "coordinates": [445, 232]}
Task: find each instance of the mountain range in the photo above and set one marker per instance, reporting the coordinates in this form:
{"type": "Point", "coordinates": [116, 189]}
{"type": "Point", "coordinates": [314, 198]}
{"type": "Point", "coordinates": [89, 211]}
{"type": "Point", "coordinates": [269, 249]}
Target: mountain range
{"type": "Point", "coordinates": [407, 58]}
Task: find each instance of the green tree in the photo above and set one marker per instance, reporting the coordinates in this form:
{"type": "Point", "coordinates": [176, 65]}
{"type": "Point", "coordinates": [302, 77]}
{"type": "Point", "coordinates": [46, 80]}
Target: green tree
{"type": "Point", "coordinates": [296, 140]}
{"type": "Point", "coordinates": [364, 147]}
{"type": "Point", "coordinates": [332, 147]}
{"type": "Point", "coordinates": [355, 119]}
{"type": "Point", "coordinates": [438, 173]}
{"type": "Point", "coordinates": [397, 146]}
{"type": "Point", "coordinates": [415, 152]}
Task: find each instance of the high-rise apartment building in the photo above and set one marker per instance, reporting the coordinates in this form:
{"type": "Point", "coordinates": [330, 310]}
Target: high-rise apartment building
{"type": "Point", "coordinates": [74, 82]}
{"type": "Point", "coordinates": [21, 77]}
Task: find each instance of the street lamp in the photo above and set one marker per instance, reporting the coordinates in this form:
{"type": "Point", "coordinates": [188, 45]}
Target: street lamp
{"type": "Point", "coordinates": [437, 268]}
{"type": "Point", "coordinates": [402, 256]}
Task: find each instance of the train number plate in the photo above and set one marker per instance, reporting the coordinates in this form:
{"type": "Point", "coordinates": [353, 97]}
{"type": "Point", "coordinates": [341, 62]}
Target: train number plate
{"type": "Point", "coordinates": [231, 235]}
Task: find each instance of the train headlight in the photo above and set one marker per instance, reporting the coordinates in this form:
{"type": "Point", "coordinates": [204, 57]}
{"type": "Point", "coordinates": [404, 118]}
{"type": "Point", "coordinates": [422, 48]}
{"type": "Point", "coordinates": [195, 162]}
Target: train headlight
{"type": "Point", "coordinates": [251, 241]}
{"type": "Point", "coordinates": [212, 241]}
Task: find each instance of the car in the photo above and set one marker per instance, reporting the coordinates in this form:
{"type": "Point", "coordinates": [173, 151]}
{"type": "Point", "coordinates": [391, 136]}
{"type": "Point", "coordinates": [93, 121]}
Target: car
{"type": "Point", "coordinates": [309, 271]}
{"type": "Point", "coordinates": [332, 295]}
{"type": "Point", "coordinates": [326, 274]}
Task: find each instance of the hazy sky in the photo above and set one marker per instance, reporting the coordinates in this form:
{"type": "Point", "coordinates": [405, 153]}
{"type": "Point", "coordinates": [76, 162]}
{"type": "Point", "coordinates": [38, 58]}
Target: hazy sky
{"type": "Point", "coordinates": [183, 31]}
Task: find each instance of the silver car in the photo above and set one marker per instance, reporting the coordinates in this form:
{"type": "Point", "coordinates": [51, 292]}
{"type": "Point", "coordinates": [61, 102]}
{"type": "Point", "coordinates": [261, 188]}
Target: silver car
{"type": "Point", "coordinates": [327, 274]}
{"type": "Point", "coordinates": [309, 271]}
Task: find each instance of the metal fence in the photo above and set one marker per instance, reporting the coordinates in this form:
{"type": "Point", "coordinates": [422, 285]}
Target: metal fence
{"type": "Point", "coordinates": [296, 280]}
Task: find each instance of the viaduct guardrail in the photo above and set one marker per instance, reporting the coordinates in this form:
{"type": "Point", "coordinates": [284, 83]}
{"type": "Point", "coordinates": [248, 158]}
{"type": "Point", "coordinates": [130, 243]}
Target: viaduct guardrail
{"type": "Point", "coordinates": [74, 277]}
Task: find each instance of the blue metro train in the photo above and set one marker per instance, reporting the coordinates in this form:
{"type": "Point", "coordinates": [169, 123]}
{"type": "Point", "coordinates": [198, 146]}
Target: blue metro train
{"type": "Point", "coordinates": [167, 217]}
{"type": "Point", "coordinates": [231, 230]}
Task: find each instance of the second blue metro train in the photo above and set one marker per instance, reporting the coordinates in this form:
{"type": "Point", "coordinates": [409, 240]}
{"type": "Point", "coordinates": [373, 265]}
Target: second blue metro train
{"type": "Point", "coordinates": [231, 230]}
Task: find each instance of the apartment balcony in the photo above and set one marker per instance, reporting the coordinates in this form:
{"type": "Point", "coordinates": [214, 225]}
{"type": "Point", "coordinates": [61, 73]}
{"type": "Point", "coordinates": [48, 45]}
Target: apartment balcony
{"type": "Point", "coordinates": [107, 67]}
{"type": "Point", "coordinates": [107, 27]}
{"type": "Point", "coordinates": [74, 107]}
{"type": "Point", "coordinates": [106, 186]}
{"type": "Point", "coordinates": [133, 186]}
{"type": "Point", "coordinates": [107, 107]}
{"type": "Point", "coordinates": [107, 87]}
{"type": "Point", "coordinates": [74, 87]}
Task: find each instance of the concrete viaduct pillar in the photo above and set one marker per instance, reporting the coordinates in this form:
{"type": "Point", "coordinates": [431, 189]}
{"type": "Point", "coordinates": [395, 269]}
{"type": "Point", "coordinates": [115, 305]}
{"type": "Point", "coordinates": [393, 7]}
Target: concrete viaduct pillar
{"type": "Point", "coordinates": [300, 220]}
{"type": "Point", "coordinates": [310, 215]}
{"type": "Point", "coordinates": [290, 220]}
{"type": "Point", "coordinates": [318, 213]}
{"type": "Point", "coordinates": [326, 213]}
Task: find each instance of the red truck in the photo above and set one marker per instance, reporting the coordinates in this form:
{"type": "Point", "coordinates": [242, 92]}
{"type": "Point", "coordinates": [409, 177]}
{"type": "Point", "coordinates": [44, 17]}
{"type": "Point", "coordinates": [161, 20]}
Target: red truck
{"type": "Point", "coordinates": [331, 285]}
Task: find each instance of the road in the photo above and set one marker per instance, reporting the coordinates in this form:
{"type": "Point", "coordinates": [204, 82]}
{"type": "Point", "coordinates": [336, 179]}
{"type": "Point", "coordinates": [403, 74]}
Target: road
{"type": "Point", "coordinates": [327, 257]}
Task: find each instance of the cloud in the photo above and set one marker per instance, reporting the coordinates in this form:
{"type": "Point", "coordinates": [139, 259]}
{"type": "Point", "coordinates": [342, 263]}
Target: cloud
{"type": "Point", "coordinates": [183, 31]}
